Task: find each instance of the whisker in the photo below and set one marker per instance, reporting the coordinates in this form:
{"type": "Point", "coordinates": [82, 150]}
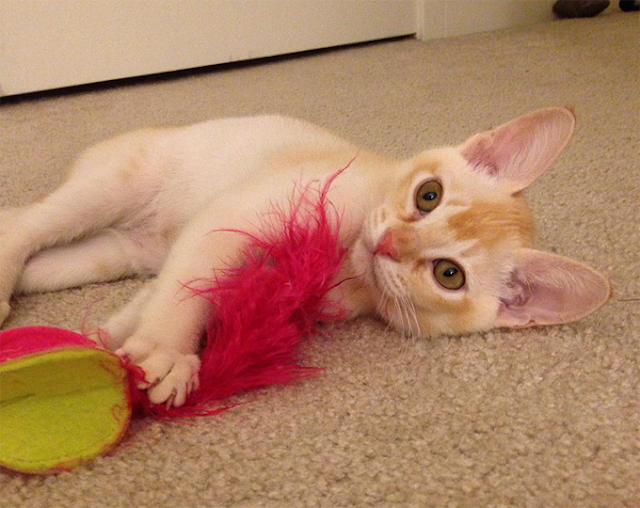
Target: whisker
{"type": "Point", "coordinates": [405, 311]}
{"type": "Point", "coordinates": [414, 313]}
{"type": "Point", "coordinates": [404, 347]}
{"type": "Point", "coordinates": [411, 318]}
{"type": "Point", "coordinates": [415, 332]}
{"type": "Point", "coordinates": [384, 302]}
{"type": "Point", "coordinates": [400, 313]}
{"type": "Point", "coordinates": [383, 299]}
{"type": "Point", "coordinates": [407, 331]}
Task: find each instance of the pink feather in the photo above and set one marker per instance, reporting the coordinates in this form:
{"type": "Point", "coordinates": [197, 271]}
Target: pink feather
{"type": "Point", "coordinates": [265, 307]}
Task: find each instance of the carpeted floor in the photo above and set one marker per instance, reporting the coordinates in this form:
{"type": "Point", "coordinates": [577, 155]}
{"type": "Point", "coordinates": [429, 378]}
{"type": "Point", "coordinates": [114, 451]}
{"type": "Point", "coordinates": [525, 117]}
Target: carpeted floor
{"type": "Point", "coordinates": [534, 418]}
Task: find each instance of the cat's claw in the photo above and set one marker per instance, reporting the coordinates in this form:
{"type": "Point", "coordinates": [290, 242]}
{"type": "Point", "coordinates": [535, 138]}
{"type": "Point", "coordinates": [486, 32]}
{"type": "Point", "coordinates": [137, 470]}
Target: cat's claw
{"type": "Point", "coordinates": [178, 383]}
{"type": "Point", "coordinates": [5, 310]}
{"type": "Point", "coordinates": [170, 376]}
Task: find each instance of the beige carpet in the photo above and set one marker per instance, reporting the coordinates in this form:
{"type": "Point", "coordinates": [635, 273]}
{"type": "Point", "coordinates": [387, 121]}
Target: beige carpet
{"type": "Point", "coordinates": [535, 418]}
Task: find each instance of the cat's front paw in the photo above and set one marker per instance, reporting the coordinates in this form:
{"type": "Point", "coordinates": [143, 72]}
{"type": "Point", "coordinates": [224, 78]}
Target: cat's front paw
{"type": "Point", "coordinates": [170, 375]}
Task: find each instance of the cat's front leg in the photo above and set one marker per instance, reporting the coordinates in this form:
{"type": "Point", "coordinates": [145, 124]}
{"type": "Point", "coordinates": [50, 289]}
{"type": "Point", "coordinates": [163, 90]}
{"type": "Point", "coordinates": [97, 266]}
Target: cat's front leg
{"type": "Point", "coordinates": [5, 310]}
{"type": "Point", "coordinates": [9, 267]}
{"type": "Point", "coordinates": [167, 340]}
{"type": "Point", "coordinates": [166, 343]}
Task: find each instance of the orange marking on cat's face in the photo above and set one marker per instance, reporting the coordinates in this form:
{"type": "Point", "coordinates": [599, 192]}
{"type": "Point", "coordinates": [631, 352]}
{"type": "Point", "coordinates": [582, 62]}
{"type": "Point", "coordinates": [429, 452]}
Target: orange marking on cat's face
{"type": "Point", "coordinates": [405, 239]}
{"type": "Point", "coordinates": [491, 222]}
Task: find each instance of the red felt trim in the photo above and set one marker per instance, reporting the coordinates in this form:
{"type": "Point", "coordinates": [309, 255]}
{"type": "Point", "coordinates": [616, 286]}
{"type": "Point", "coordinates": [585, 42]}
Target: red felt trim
{"type": "Point", "coordinates": [19, 342]}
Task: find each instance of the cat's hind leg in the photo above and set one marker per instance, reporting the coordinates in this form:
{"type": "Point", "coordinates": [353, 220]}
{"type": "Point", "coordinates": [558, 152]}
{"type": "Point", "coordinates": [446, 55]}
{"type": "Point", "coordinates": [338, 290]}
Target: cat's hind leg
{"type": "Point", "coordinates": [100, 194]}
{"type": "Point", "coordinates": [100, 258]}
{"type": "Point", "coordinates": [58, 220]}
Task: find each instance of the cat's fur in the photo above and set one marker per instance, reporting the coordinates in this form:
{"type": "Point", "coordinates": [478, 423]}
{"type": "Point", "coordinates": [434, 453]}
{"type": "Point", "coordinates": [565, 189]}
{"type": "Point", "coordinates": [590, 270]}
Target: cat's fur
{"type": "Point", "coordinates": [145, 203]}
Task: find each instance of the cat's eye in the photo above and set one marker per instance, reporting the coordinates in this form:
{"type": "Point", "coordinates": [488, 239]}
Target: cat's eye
{"type": "Point", "coordinates": [448, 274]}
{"type": "Point", "coordinates": [429, 196]}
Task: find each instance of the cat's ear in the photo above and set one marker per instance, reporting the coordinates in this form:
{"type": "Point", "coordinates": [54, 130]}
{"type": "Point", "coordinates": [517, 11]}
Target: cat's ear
{"type": "Point", "coordinates": [547, 289]}
{"type": "Point", "coordinates": [521, 150]}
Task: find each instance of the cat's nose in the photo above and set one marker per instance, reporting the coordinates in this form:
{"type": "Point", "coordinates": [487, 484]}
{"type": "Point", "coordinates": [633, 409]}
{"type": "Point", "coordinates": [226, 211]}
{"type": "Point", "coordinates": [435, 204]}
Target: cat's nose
{"type": "Point", "coordinates": [387, 247]}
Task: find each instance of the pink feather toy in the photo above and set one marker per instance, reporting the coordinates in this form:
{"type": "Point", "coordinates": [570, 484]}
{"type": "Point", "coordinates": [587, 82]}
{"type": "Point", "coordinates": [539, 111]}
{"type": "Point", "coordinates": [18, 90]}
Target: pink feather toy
{"type": "Point", "coordinates": [266, 307]}
{"type": "Point", "coordinates": [66, 400]}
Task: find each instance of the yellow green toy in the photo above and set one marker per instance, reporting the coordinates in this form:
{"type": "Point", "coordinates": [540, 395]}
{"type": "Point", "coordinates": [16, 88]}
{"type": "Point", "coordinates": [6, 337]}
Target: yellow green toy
{"type": "Point", "coordinates": [63, 400]}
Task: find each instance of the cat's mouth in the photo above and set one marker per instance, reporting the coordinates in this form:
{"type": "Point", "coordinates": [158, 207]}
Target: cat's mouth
{"type": "Point", "coordinates": [370, 267]}
{"type": "Point", "coordinates": [365, 260]}
{"type": "Point", "coordinates": [379, 276]}
{"type": "Point", "coordinates": [384, 280]}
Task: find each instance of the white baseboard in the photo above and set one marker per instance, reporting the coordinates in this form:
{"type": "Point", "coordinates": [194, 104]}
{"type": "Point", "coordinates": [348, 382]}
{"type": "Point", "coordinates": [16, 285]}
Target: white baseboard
{"type": "Point", "coordinates": [449, 18]}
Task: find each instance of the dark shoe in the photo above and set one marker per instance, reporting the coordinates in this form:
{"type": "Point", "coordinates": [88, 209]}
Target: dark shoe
{"type": "Point", "coordinates": [629, 5]}
{"type": "Point", "coordinates": [580, 8]}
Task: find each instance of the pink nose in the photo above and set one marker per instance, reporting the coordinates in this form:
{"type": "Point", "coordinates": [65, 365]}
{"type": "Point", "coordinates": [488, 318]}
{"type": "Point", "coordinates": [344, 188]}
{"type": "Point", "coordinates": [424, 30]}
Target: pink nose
{"type": "Point", "coordinates": [387, 248]}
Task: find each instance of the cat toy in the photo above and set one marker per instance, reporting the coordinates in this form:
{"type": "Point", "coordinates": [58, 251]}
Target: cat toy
{"type": "Point", "coordinates": [64, 400]}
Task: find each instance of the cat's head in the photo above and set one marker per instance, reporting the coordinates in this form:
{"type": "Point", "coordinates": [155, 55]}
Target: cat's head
{"type": "Point", "coordinates": [450, 251]}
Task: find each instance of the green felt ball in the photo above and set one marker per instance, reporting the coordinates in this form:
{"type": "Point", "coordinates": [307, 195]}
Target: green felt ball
{"type": "Point", "coordinates": [60, 408]}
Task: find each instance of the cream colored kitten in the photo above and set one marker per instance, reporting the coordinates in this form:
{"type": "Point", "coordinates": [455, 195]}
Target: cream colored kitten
{"type": "Point", "coordinates": [441, 241]}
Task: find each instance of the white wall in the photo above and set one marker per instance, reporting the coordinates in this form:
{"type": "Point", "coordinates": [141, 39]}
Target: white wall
{"type": "Point", "coordinates": [449, 18]}
{"type": "Point", "coordinates": [46, 44]}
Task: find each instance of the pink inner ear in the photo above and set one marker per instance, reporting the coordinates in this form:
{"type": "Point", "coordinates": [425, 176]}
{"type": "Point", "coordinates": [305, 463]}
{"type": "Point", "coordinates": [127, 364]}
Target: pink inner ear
{"type": "Point", "coordinates": [519, 151]}
{"type": "Point", "coordinates": [485, 154]}
{"type": "Point", "coordinates": [549, 289]}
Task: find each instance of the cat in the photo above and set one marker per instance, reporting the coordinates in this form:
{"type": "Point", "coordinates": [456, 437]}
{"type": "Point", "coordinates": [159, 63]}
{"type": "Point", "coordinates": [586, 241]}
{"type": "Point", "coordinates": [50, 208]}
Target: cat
{"type": "Point", "coordinates": [439, 243]}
